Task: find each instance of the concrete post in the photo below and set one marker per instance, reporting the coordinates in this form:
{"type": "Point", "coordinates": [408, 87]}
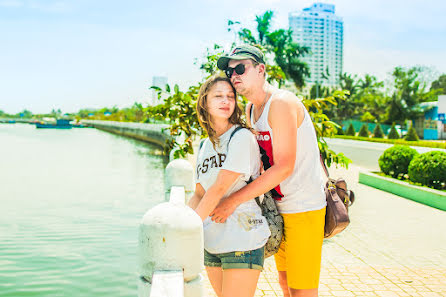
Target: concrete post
{"type": "Point", "coordinates": [179, 172]}
{"type": "Point", "coordinates": [171, 236]}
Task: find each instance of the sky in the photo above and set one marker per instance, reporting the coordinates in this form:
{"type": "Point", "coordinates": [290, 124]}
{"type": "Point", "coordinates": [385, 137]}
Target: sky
{"type": "Point", "coordinates": [69, 55]}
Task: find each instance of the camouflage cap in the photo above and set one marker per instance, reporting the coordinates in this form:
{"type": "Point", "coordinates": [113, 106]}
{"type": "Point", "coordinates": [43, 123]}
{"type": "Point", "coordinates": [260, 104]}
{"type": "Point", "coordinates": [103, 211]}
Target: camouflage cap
{"type": "Point", "coordinates": [241, 52]}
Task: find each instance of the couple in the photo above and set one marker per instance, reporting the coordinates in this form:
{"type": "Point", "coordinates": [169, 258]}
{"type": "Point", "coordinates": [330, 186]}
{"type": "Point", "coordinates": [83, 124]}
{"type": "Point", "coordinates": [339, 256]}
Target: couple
{"type": "Point", "coordinates": [235, 231]}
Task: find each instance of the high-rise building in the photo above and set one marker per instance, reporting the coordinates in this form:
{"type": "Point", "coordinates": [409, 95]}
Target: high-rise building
{"type": "Point", "coordinates": [318, 28]}
{"type": "Point", "coordinates": [160, 82]}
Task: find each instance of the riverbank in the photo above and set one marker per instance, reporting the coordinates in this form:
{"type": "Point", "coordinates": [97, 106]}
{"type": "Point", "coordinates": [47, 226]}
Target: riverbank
{"type": "Point", "coordinates": [153, 133]}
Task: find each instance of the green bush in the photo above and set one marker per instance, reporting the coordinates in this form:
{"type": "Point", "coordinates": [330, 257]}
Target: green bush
{"type": "Point", "coordinates": [351, 130]}
{"type": "Point", "coordinates": [368, 117]}
{"type": "Point", "coordinates": [429, 169]}
{"type": "Point", "coordinates": [364, 131]}
{"type": "Point", "coordinates": [395, 160]}
{"type": "Point", "coordinates": [393, 134]}
{"type": "Point", "coordinates": [411, 134]}
{"type": "Point", "coordinates": [378, 132]}
{"type": "Point", "coordinates": [340, 131]}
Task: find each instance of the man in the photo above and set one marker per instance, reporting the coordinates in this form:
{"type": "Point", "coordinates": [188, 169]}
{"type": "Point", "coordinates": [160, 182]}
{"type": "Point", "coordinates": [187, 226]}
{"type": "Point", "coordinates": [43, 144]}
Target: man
{"type": "Point", "coordinates": [287, 136]}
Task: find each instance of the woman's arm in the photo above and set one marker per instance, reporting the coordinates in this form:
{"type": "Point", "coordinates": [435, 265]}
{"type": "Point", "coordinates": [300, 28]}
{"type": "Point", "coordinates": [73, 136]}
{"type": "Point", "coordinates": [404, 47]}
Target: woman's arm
{"type": "Point", "coordinates": [196, 198]}
{"type": "Point", "coordinates": [212, 196]}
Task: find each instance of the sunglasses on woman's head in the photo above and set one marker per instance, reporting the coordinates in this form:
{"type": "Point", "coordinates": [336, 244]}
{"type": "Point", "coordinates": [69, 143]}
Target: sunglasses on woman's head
{"type": "Point", "coordinates": [239, 69]}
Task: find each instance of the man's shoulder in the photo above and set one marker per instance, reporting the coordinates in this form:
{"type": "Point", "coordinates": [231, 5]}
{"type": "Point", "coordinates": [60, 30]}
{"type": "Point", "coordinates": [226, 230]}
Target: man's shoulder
{"type": "Point", "coordinates": [285, 99]}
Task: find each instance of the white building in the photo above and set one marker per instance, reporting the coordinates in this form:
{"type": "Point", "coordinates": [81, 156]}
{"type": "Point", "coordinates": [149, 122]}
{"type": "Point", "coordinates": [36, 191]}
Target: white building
{"type": "Point", "coordinates": [160, 82]}
{"type": "Point", "coordinates": [323, 32]}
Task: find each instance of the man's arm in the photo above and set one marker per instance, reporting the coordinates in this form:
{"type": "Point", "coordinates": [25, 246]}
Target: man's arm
{"type": "Point", "coordinates": [285, 116]}
{"type": "Point", "coordinates": [213, 195]}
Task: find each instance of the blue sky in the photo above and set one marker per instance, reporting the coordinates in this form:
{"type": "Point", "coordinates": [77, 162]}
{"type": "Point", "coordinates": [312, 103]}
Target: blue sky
{"type": "Point", "coordinates": [90, 54]}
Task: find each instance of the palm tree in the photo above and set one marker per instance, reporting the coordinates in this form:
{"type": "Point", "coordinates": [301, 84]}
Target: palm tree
{"type": "Point", "coordinates": [287, 53]}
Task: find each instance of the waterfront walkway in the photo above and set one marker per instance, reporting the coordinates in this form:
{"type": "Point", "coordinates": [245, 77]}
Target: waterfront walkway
{"type": "Point", "coordinates": [393, 247]}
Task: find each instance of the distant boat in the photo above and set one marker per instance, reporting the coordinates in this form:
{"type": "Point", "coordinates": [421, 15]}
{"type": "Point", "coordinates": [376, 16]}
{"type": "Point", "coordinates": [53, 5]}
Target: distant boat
{"type": "Point", "coordinates": [7, 121]}
{"type": "Point", "coordinates": [60, 124]}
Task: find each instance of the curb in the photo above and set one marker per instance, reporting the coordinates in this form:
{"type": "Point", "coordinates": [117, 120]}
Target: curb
{"type": "Point", "coordinates": [430, 197]}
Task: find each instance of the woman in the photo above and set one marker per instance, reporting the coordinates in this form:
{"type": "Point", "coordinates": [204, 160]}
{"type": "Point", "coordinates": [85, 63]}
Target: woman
{"type": "Point", "coordinates": [228, 158]}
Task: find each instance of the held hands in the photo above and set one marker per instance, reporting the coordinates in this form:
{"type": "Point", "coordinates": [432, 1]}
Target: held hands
{"type": "Point", "coordinates": [223, 210]}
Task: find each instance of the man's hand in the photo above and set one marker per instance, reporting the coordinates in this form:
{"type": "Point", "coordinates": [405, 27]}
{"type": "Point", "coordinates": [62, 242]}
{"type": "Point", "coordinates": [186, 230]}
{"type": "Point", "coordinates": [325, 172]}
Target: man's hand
{"type": "Point", "coordinates": [223, 210]}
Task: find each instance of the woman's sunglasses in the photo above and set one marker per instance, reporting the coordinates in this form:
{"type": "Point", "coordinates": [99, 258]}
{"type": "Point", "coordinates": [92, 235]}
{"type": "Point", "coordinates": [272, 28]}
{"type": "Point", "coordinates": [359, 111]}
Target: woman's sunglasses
{"type": "Point", "coordinates": [239, 69]}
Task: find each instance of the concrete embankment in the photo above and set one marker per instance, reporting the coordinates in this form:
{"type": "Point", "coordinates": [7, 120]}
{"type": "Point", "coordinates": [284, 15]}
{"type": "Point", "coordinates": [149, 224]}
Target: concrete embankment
{"type": "Point", "coordinates": [153, 133]}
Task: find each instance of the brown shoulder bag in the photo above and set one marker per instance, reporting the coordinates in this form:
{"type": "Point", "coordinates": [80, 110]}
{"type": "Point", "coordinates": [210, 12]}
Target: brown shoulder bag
{"type": "Point", "coordinates": [338, 201]}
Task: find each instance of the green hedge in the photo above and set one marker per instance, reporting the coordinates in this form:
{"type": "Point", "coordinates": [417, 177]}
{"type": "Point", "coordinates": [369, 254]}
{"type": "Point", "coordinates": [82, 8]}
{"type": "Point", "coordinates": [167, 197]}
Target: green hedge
{"type": "Point", "coordinates": [351, 130]}
{"type": "Point", "coordinates": [396, 159]}
{"type": "Point", "coordinates": [425, 143]}
{"type": "Point", "coordinates": [364, 131]}
{"type": "Point", "coordinates": [429, 169]}
{"type": "Point", "coordinates": [378, 132]}
{"type": "Point", "coordinates": [393, 134]}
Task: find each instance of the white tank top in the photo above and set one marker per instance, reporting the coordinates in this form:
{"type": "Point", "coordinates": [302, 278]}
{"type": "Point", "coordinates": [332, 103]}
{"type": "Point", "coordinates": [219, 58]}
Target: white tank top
{"type": "Point", "coordinates": [303, 190]}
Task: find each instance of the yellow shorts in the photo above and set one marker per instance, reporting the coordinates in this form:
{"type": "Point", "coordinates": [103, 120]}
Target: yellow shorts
{"type": "Point", "coordinates": [301, 248]}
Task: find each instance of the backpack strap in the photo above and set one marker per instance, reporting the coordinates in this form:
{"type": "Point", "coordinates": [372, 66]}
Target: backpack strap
{"type": "Point", "coordinates": [201, 144]}
{"type": "Point", "coordinates": [230, 137]}
{"type": "Point", "coordinates": [233, 132]}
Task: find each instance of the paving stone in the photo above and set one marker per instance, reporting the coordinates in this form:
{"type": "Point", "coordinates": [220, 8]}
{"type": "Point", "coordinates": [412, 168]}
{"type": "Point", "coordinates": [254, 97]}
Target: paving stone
{"type": "Point", "coordinates": [390, 249]}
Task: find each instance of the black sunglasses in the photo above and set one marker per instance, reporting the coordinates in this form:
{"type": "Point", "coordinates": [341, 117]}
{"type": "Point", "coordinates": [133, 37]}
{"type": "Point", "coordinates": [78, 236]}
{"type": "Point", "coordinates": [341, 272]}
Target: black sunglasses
{"type": "Point", "coordinates": [239, 69]}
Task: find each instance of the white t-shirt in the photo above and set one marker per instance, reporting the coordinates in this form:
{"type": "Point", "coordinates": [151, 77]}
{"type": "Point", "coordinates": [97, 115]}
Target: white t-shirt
{"type": "Point", "coordinates": [246, 229]}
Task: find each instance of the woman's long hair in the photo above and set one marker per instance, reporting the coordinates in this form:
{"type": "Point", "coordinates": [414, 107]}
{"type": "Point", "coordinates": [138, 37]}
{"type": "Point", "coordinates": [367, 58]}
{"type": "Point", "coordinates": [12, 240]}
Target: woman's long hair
{"type": "Point", "coordinates": [204, 117]}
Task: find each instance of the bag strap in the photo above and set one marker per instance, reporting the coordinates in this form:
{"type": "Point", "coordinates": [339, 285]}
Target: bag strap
{"type": "Point", "coordinates": [201, 144]}
{"type": "Point", "coordinates": [324, 166]}
{"type": "Point", "coordinates": [257, 198]}
{"type": "Point", "coordinates": [233, 132]}
{"type": "Point", "coordinates": [230, 137]}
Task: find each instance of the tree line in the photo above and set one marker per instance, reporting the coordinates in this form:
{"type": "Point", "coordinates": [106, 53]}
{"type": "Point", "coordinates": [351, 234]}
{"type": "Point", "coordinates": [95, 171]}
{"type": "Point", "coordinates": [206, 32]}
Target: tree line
{"type": "Point", "coordinates": [364, 98]}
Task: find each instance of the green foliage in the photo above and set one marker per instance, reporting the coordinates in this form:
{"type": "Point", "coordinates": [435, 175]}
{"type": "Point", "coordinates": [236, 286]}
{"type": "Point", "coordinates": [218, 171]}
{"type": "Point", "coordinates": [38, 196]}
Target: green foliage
{"type": "Point", "coordinates": [378, 132]}
{"type": "Point", "coordinates": [408, 93]}
{"type": "Point", "coordinates": [325, 127]}
{"type": "Point", "coordinates": [340, 131]}
{"type": "Point", "coordinates": [26, 114]}
{"type": "Point", "coordinates": [364, 131]}
{"type": "Point", "coordinates": [411, 134]}
{"type": "Point", "coordinates": [286, 53]}
{"type": "Point", "coordinates": [424, 143]}
{"type": "Point", "coordinates": [351, 130]}
{"type": "Point", "coordinates": [395, 160]}
{"type": "Point", "coordinates": [179, 109]}
{"type": "Point", "coordinates": [318, 91]}
{"type": "Point", "coordinates": [366, 98]}
{"type": "Point", "coordinates": [429, 169]}
{"type": "Point", "coordinates": [393, 134]}
{"type": "Point", "coordinates": [440, 84]}
{"type": "Point", "coordinates": [367, 117]}
{"type": "Point", "coordinates": [209, 66]}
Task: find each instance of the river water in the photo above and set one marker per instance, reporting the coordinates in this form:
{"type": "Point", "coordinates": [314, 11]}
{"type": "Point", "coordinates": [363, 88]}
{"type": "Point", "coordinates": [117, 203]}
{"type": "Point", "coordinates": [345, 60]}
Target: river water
{"type": "Point", "coordinates": [70, 206]}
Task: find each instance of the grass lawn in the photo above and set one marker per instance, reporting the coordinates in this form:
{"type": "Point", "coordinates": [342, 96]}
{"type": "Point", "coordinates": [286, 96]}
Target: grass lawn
{"type": "Point", "coordinates": [407, 181]}
{"type": "Point", "coordinates": [426, 143]}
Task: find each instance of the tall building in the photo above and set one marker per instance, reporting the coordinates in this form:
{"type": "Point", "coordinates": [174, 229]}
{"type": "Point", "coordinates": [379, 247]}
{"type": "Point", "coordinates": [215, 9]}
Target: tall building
{"type": "Point", "coordinates": [160, 82]}
{"type": "Point", "coordinates": [323, 32]}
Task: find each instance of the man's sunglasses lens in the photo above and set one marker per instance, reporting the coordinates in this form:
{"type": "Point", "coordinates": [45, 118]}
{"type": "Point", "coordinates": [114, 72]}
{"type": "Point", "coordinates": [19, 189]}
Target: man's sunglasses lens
{"type": "Point", "coordinates": [239, 69]}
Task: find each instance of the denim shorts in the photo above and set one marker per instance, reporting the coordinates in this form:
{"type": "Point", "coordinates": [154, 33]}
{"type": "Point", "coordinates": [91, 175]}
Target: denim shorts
{"type": "Point", "coordinates": [236, 260]}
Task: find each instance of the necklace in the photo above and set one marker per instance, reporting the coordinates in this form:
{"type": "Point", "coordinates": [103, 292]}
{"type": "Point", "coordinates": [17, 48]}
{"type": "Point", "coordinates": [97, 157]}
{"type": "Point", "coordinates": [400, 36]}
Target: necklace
{"type": "Point", "coordinates": [261, 107]}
